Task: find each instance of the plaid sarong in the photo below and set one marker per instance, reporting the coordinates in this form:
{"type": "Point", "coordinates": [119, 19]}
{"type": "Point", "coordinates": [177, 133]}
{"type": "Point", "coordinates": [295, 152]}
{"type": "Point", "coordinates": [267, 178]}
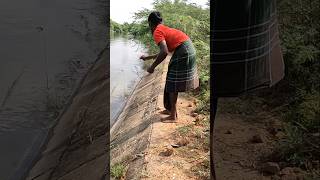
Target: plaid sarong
{"type": "Point", "coordinates": [182, 72]}
{"type": "Point", "coordinates": [246, 53]}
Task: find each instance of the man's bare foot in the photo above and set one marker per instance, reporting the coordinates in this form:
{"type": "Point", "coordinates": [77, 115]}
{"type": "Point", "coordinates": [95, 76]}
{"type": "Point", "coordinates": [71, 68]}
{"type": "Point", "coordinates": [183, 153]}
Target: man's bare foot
{"type": "Point", "coordinates": [167, 112]}
{"type": "Point", "coordinates": [169, 119]}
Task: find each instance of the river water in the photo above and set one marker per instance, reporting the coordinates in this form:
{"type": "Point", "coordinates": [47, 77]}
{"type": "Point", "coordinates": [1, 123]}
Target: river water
{"type": "Point", "coordinates": [126, 69]}
{"type": "Point", "coordinates": [46, 47]}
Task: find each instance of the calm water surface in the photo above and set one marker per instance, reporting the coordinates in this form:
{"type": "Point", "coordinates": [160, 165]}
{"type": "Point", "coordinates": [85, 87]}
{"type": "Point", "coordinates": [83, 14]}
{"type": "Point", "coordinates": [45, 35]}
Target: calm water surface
{"type": "Point", "coordinates": [125, 71]}
{"type": "Point", "coordinates": [45, 48]}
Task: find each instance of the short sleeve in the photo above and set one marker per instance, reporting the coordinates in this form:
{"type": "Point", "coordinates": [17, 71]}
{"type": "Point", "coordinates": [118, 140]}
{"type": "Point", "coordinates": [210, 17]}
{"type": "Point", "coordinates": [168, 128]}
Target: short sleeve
{"type": "Point", "coordinates": [158, 35]}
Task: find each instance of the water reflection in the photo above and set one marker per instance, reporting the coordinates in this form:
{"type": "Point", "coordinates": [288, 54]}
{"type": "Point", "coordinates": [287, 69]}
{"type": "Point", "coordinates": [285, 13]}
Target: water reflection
{"type": "Point", "coordinates": [125, 71]}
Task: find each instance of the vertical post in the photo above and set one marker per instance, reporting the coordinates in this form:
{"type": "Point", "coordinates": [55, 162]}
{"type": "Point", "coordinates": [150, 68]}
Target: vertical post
{"type": "Point", "coordinates": [213, 117]}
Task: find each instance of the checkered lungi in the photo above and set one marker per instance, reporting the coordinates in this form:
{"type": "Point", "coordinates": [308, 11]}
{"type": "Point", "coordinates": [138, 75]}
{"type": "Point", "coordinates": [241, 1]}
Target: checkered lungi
{"type": "Point", "coordinates": [182, 72]}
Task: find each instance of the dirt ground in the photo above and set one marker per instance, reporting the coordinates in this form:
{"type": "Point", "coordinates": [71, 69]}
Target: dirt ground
{"type": "Point", "coordinates": [179, 150]}
{"type": "Point", "coordinates": [241, 142]}
{"type": "Point", "coordinates": [244, 135]}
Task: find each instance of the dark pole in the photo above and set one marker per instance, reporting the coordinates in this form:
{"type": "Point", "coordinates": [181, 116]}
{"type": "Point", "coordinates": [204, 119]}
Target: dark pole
{"type": "Point", "coordinates": [214, 98]}
{"type": "Point", "coordinates": [213, 117]}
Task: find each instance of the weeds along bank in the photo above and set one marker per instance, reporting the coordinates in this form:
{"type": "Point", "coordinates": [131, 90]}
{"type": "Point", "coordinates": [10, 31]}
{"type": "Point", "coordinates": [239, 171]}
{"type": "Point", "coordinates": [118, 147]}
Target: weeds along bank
{"type": "Point", "coordinates": [299, 27]}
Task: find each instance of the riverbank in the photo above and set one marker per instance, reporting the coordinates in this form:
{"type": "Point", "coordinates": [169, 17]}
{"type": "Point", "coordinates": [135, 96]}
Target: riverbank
{"type": "Point", "coordinates": [141, 144]}
{"type": "Point", "coordinates": [142, 147]}
{"type": "Point", "coordinates": [76, 147]}
{"type": "Point", "coordinates": [131, 133]}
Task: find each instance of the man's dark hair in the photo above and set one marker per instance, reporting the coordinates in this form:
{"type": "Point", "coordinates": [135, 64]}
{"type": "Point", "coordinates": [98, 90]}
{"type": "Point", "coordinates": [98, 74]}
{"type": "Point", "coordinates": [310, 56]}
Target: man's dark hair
{"type": "Point", "coordinates": [155, 18]}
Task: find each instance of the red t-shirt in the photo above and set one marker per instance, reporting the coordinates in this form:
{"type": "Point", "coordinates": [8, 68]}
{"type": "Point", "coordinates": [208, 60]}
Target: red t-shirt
{"type": "Point", "coordinates": [173, 37]}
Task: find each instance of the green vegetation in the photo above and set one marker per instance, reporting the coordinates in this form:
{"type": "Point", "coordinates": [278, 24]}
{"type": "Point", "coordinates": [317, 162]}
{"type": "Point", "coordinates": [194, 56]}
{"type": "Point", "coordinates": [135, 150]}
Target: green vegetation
{"type": "Point", "coordinates": [299, 32]}
{"type": "Point", "coordinates": [184, 130]}
{"type": "Point", "coordinates": [117, 170]}
{"type": "Point", "coordinates": [115, 27]}
{"type": "Point", "coordinates": [201, 169]}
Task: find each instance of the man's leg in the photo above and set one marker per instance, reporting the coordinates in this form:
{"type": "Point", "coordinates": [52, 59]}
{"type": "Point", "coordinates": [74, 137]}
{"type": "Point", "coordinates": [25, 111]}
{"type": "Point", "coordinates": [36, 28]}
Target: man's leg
{"type": "Point", "coordinates": [173, 101]}
{"type": "Point", "coordinates": [173, 96]}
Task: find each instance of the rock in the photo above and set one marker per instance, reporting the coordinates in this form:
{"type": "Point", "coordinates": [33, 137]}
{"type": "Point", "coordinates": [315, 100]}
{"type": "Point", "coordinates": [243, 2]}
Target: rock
{"type": "Point", "coordinates": [286, 170]}
{"type": "Point", "coordinates": [270, 168]}
{"type": "Point", "coordinates": [292, 177]}
{"type": "Point", "coordinates": [140, 155]}
{"type": "Point", "coordinates": [183, 142]}
{"type": "Point", "coordinates": [275, 177]}
{"type": "Point", "coordinates": [189, 105]}
{"type": "Point", "coordinates": [228, 132]}
{"type": "Point", "coordinates": [280, 135]}
{"type": "Point", "coordinates": [194, 114]}
{"type": "Point", "coordinates": [199, 118]}
{"type": "Point", "coordinates": [175, 145]}
{"type": "Point", "coordinates": [167, 152]}
{"type": "Point", "coordinates": [291, 170]}
{"type": "Point", "coordinates": [180, 143]}
{"type": "Point", "coordinates": [195, 102]}
{"type": "Point", "coordinates": [206, 130]}
{"type": "Point", "coordinates": [282, 164]}
{"type": "Point", "coordinates": [272, 130]}
{"type": "Point", "coordinates": [256, 139]}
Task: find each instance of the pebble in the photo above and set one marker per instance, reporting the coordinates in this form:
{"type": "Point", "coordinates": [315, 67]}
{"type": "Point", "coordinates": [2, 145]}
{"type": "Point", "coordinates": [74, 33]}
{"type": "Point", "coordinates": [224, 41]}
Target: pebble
{"type": "Point", "coordinates": [280, 135]}
{"type": "Point", "coordinates": [270, 168]}
{"type": "Point", "coordinates": [194, 114]}
{"type": "Point", "coordinates": [183, 142]}
{"type": "Point", "coordinates": [167, 152]}
{"type": "Point", "coordinates": [290, 170]}
{"type": "Point", "coordinates": [256, 139]}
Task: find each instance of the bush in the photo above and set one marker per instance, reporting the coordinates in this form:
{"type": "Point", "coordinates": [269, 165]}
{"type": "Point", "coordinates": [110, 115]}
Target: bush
{"type": "Point", "coordinates": [117, 170]}
{"type": "Point", "coordinates": [299, 33]}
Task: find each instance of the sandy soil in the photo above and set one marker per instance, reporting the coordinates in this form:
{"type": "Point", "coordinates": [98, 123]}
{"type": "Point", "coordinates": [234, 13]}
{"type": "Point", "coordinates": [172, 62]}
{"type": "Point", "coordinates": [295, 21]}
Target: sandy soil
{"type": "Point", "coordinates": [185, 162]}
{"type": "Point", "coordinates": [241, 142]}
{"type": "Point", "coordinates": [178, 150]}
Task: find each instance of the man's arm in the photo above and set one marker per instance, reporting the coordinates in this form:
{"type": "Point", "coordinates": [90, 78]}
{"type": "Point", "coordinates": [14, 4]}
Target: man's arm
{"type": "Point", "coordinates": [161, 56]}
{"type": "Point", "coordinates": [143, 57]}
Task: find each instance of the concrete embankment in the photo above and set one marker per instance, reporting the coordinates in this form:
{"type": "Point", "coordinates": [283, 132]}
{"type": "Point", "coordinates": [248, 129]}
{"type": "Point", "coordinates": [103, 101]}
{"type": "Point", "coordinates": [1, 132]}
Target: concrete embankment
{"type": "Point", "coordinates": [77, 148]}
{"type": "Point", "coordinates": [130, 136]}
{"type": "Point", "coordinates": [77, 145]}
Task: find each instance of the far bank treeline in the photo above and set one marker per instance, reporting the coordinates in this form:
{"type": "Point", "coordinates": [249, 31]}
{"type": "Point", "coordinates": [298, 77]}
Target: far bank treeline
{"type": "Point", "coordinates": [191, 19]}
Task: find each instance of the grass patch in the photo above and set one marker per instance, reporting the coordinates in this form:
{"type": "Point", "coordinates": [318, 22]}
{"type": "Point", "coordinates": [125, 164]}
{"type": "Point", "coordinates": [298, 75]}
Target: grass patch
{"type": "Point", "coordinates": [184, 130]}
{"type": "Point", "coordinates": [301, 147]}
{"type": "Point", "coordinates": [118, 170]}
{"type": "Point", "coordinates": [202, 169]}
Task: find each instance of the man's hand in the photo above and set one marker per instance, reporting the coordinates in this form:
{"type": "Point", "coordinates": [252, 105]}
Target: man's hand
{"type": "Point", "coordinates": [143, 57]}
{"type": "Point", "coordinates": [150, 69]}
